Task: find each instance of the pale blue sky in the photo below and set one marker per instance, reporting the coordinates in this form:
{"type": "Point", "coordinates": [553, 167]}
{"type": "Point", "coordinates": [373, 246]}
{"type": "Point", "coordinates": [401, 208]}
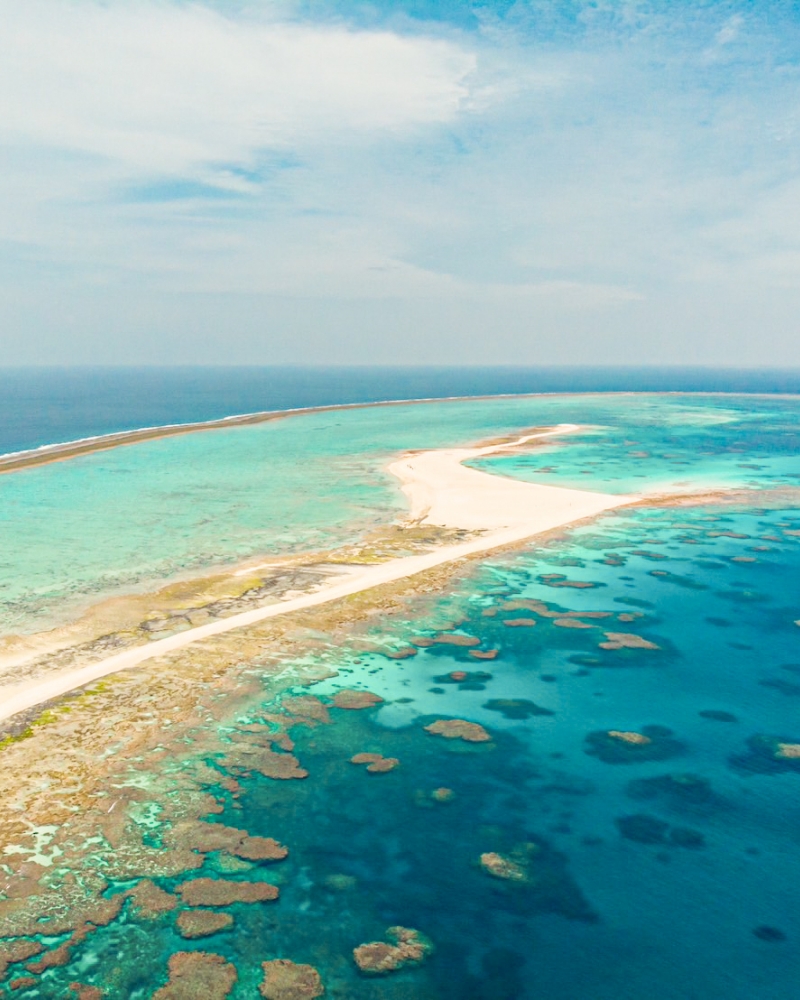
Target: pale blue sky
{"type": "Point", "coordinates": [542, 182]}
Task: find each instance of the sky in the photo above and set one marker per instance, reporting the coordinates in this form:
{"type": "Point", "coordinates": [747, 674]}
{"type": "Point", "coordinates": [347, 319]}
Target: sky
{"type": "Point", "coordinates": [512, 181]}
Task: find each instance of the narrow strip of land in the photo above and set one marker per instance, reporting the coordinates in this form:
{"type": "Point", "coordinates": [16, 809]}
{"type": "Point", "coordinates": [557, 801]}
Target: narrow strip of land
{"type": "Point", "coordinates": [442, 491]}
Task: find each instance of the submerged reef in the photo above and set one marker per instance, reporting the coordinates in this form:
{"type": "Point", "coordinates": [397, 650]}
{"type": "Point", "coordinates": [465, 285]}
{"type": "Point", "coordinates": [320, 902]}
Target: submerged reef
{"type": "Point", "coordinates": [465, 677]}
{"type": "Point", "coordinates": [648, 829]}
{"type": "Point", "coordinates": [516, 708]}
{"type": "Point", "coordinates": [676, 789]}
{"type": "Point", "coordinates": [717, 715]}
{"type": "Point", "coordinates": [616, 746]}
{"type": "Point", "coordinates": [406, 947]}
{"type": "Point", "coordinates": [769, 755]}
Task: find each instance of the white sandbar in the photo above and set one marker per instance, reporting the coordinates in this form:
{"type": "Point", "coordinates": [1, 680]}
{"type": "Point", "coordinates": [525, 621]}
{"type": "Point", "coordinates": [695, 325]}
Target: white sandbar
{"type": "Point", "coordinates": [441, 490]}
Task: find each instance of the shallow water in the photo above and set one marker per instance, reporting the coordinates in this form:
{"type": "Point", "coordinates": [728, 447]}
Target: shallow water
{"type": "Point", "coordinates": [638, 880]}
{"type": "Point", "coordinates": [130, 518]}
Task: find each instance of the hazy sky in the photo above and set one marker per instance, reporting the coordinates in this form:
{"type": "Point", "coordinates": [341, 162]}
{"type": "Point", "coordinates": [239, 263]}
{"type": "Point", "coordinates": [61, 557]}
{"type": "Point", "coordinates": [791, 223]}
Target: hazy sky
{"type": "Point", "coordinates": [545, 181]}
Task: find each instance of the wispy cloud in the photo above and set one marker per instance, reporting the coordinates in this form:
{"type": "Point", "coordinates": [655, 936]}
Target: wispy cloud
{"type": "Point", "coordinates": [602, 173]}
{"type": "Point", "coordinates": [177, 88]}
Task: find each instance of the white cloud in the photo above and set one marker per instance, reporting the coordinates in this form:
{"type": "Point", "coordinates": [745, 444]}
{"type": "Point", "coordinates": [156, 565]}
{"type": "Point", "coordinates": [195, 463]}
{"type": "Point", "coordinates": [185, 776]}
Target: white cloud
{"type": "Point", "coordinates": [167, 89]}
{"type": "Point", "coordinates": [573, 185]}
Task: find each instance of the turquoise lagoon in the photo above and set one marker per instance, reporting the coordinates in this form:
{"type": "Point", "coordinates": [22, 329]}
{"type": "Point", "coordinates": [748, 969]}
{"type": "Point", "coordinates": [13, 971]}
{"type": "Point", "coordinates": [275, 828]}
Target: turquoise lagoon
{"type": "Point", "coordinates": [133, 517]}
{"type": "Point", "coordinates": [668, 870]}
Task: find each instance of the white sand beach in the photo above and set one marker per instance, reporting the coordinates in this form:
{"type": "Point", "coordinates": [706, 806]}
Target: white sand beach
{"type": "Point", "coordinates": [441, 491]}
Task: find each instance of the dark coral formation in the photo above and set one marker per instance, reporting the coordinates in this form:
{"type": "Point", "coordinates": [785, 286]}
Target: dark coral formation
{"type": "Point", "coordinates": [689, 789]}
{"type": "Point", "coordinates": [559, 580]}
{"type": "Point", "coordinates": [284, 980]}
{"type": "Point", "coordinates": [616, 746]}
{"type": "Point", "coordinates": [766, 933]}
{"type": "Point", "coordinates": [516, 708]}
{"type": "Point", "coordinates": [474, 680]}
{"type": "Point", "coordinates": [646, 829]}
{"type": "Point", "coordinates": [405, 947]}
{"type": "Point", "coordinates": [717, 715]}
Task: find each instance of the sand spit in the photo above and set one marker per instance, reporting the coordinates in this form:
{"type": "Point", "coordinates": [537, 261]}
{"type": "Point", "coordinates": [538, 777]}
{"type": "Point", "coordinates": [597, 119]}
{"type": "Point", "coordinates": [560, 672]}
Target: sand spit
{"type": "Point", "coordinates": [442, 491]}
{"type": "Point", "coordinates": [46, 454]}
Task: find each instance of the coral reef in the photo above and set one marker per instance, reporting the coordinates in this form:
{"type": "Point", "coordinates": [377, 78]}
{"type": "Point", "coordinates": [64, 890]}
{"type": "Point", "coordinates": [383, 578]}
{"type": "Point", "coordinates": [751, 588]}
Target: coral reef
{"type": "Point", "coordinates": [407, 947]}
{"type": "Point", "coordinates": [646, 829]}
{"type": "Point", "coordinates": [636, 739]}
{"type": "Point", "coordinates": [516, 708]}
{"type": "Point", "coordinates": [500, 866]}
{"type": "Point", "coordinates": [223, 892]}
{"type": "Point", "coordinates": [307, 707]}
{"type": "Point", "coordinates": [272, 764]}
{"type": "Point", "coordinates": [17, 951]}
{"type": "Point", "coordinates": [769, 755]}
{"type": "Point", "coordinates": [209, 837]}
{"type": "Point", "coordinates": [689, 789]}
{"type": "Point", "coordinates": [376, 763]}
{"type": "Point", "coordinates": [458, 729]}
{"type": "Point", "coordinates": [284, 980]}
{"type": "Point", "coordinates": [474, 680]}
{"type": "Point", "coordinates": [356, 699]}
{"type": "Point", "coordinates": [626, 640]}
{"type": "Point", "coordinates": [148, 901]}
{"type": "Point", "coordinates": [197, 975]}
{"type": "Point", "coordinates": [455, 639]}
{"type": "Point", "coordinates": [717, 715]}
{"type": "Point", "coordinates": [766, 933]}
{"type": "Point", "coordinates": [202, 923]}
{"type": "Point", "coordinates": [616, 746]}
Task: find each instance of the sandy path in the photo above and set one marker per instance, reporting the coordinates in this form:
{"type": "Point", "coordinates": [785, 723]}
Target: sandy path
{"type": "Point", "coordinates": [441, 491]}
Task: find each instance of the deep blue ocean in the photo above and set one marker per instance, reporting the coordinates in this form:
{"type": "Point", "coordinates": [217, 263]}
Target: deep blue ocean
{"type": "Point", "coordinates": [49, 405]}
